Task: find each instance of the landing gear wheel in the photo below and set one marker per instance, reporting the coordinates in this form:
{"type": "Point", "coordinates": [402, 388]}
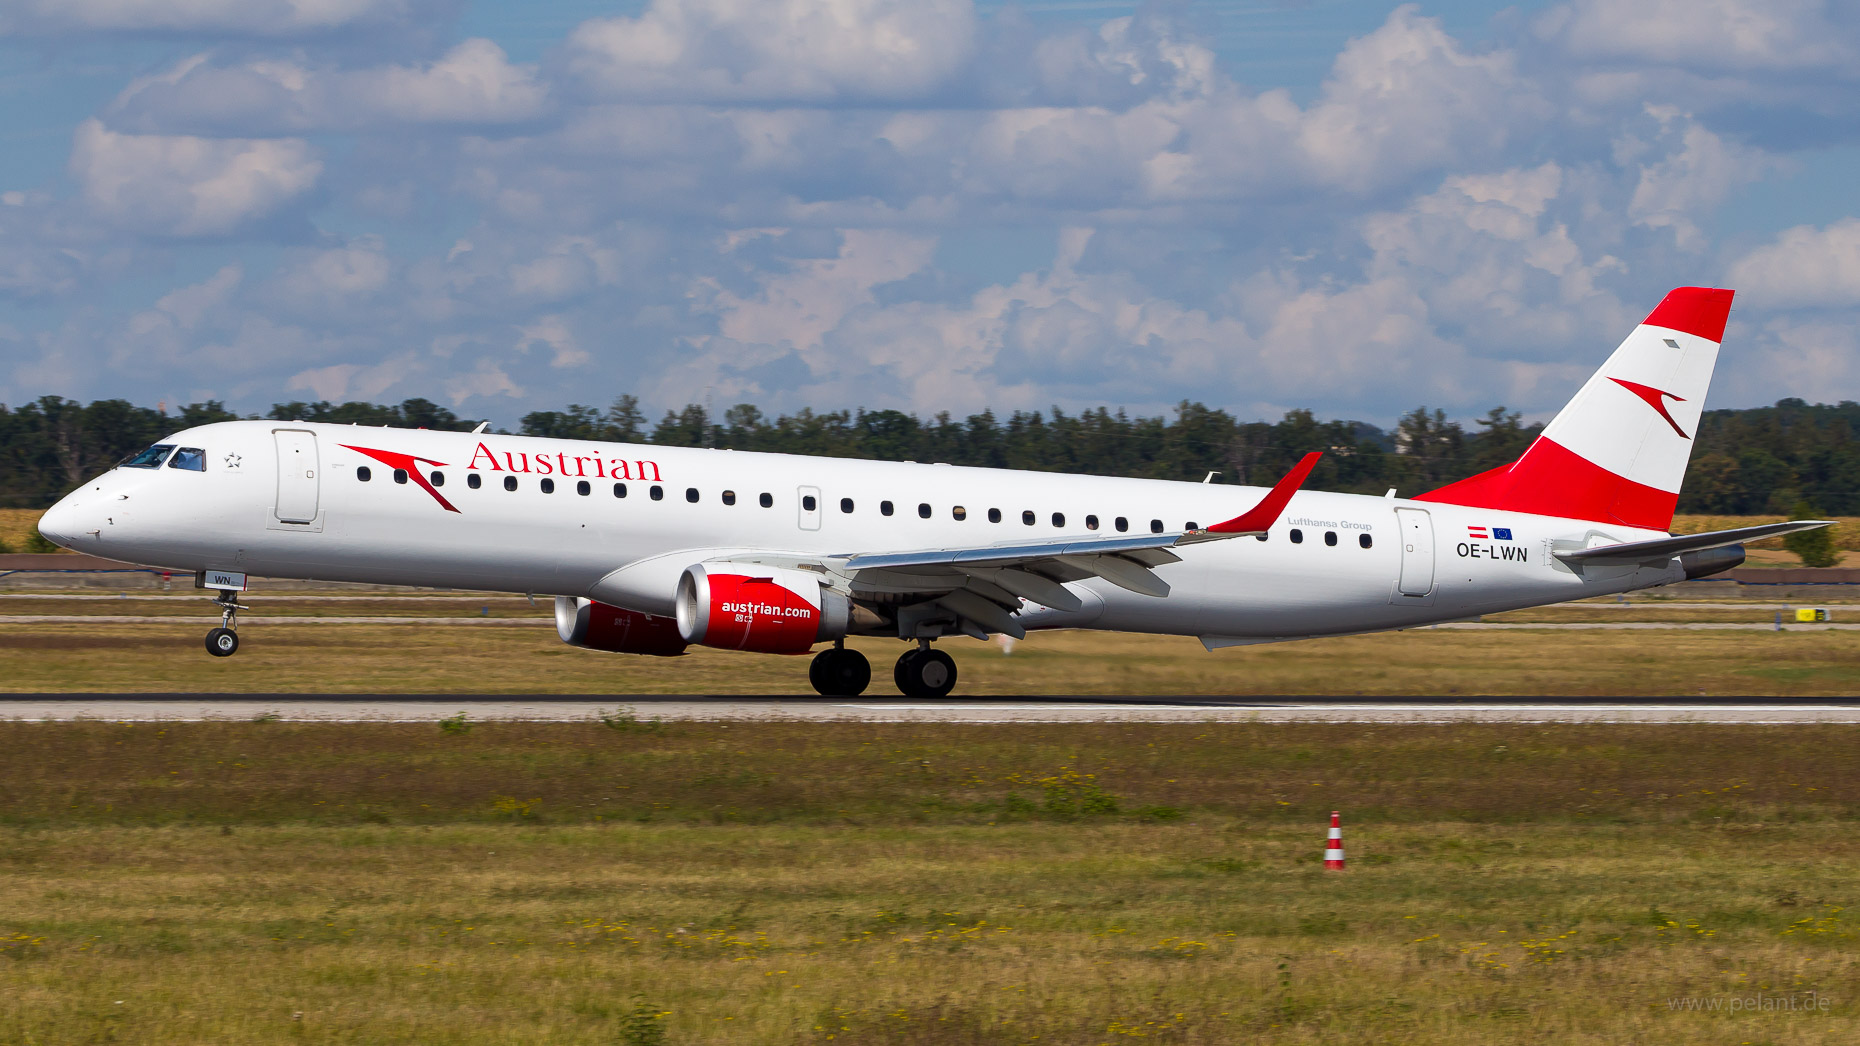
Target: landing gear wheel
{"type": "Point", "coordinates": [925, 674]}
{"type": "Point", "coordinates": [839, 672]}
{"type": "Point", "coordinates": [222, 642]}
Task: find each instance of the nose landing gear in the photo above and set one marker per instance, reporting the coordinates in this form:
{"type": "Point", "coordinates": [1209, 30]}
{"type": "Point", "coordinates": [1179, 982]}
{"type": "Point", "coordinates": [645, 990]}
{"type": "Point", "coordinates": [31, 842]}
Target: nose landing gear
{"type": "Point", "coordinates": [925, 672]}
{"type": "Point", "coordinates": [839, 672]}
{"type": "Point", "coordinates": [224, 640]}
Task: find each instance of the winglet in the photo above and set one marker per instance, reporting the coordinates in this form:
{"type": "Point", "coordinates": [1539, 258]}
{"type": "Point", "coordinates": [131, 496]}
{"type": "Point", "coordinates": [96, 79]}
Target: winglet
{"type": "Point", "coordinates": [1258, 519]}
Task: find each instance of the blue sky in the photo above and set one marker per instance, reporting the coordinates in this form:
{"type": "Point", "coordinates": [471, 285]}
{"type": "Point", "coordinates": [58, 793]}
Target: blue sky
{"type": "Point", "coordinates": [921, 204]}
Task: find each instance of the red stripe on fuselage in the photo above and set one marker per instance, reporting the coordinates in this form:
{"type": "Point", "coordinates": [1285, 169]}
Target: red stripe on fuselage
{"type": "Point", "coordinates": [1551, 480]}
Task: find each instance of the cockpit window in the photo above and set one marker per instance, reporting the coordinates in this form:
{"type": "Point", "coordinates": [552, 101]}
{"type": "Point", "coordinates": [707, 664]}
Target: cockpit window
{"type": "Point", "coordinates": [193, 459]}
{"type": "Point", "coordinates": [150, 458]}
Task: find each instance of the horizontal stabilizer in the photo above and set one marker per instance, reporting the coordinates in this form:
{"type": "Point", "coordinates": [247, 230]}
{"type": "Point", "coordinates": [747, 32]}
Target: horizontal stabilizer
{"type": "Point", "coordinates": [1666, 548]}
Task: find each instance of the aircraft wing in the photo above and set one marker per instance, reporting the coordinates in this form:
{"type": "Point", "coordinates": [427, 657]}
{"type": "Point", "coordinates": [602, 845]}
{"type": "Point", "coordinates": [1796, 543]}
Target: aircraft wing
{"type": "Point", "coordinates": [985, 584]}
{"type": "Point", "coordinates": [1666, 548]}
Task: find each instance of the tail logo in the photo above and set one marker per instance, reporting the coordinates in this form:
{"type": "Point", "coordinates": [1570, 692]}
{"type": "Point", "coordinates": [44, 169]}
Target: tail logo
{"type": "Point", "coordinates": [1654, 398]}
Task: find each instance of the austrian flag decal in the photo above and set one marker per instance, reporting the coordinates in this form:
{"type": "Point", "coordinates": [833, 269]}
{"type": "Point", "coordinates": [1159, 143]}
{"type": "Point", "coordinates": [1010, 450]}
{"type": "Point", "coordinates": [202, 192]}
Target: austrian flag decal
{"type": "Point", "coordinates": [1491, 534]}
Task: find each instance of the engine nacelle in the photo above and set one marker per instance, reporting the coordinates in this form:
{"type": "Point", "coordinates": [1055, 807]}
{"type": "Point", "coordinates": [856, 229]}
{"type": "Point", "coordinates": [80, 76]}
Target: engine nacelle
{"type": "Point", "coordinates": [745, 606]}
{"type": "Point", "coordinates": [597, 626]}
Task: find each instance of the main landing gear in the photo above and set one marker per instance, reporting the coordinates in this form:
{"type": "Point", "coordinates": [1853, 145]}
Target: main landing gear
{"type": "Point", "coordinates": [920, 673]}
{"type": "Point", "coordinates": [224, 640]}
{"type": "Point", "coordinates": [925, 672]}
{"type": "Point", "coordinates": [839, 672]}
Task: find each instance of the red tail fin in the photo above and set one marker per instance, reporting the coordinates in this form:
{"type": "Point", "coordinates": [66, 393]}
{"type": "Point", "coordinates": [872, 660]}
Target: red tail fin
{"type": "Point", "coordinates": [1618, 451]}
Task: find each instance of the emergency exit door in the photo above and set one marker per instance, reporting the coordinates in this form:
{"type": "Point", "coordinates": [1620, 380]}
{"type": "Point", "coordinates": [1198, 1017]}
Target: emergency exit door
{"type": "Point", "coordinates": [297, 476]}
{"type": "Point", "coordinates": [1417, 551]}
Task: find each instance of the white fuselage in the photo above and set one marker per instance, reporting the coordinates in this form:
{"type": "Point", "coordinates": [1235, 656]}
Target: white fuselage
{"type": "Point", "coordinates": [273, 504]}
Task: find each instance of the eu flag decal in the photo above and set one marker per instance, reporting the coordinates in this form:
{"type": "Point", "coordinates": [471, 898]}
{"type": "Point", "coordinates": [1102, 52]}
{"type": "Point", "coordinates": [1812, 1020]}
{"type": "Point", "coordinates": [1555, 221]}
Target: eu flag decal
{"type": "Point", "coordinates": [1501, 533]}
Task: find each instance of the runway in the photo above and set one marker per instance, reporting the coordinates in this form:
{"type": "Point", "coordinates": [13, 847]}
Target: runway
{"type": "Point", "coordinates": [414, 708]}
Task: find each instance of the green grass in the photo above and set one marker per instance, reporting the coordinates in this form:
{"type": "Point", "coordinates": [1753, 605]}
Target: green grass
{"type": "Point", "coordinates": [626, 881]}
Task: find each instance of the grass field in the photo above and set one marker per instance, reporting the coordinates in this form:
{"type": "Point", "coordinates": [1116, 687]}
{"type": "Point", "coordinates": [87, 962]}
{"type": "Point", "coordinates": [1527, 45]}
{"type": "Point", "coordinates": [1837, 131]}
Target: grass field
{"type": "Point", "coordinates": [465, 659]}
{"type": "Point", "coordinates": [925, 884]}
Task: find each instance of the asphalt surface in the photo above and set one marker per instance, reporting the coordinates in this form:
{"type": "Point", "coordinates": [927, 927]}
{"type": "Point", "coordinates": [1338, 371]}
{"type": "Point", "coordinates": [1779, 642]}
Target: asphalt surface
{"type": "Point", "coordinates": [881, 709]}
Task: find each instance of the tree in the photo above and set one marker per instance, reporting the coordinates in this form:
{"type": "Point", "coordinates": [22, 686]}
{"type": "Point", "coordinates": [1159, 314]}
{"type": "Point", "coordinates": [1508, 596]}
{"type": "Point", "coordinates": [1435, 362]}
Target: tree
{"type": "Point", "coordinates": [1814, 547]}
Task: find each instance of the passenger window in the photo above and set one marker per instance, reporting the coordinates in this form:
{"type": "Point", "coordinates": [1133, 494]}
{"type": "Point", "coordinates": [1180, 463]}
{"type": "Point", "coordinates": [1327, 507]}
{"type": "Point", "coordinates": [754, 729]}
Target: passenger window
{"type": "Point", "coordinates": [400, 475]}
{"type": "Point", "coordinates": [548, 486]}
{"type": "Point", "coordinates": [1121, 524]}
{"type": "Point", "coordinates": [193, 459]}
{"type": "Point", "coordinates": [923, 510]}
{"type": "Point", "coordinates": [510, 482]}
{"type": "Point", "coordinates": [1297, 536]}
{"type": "Point", "coordinates": [809, 504]}
{"type": "Point", "coordinates": [884, 508]}
{"type": "Point", "coordinates": [657, 492]}
{"type": "Point", "coordinates": [959, 512]}
{"type": "Point", "coordinates": [691, 495]}
{"type": "Point", "coordinates": [150, 458]}
{"type": "Point", "coordinates": [994, 515]}
{"type": "Point", "coordinates": [1155, 526]}
{"type": "Point", "coordinates": [1260, 536]}
{"type": "Point", "coordinates": [438, 479]}
{"type": "Point", "coordinates": [1091, 522]}
{"type": "Point", "coordinates": [363, 474]}
{"type": "Point", "coordinates": [619, 490]}
{"type": "Point", "coordinates": [1330, 538]}
{"type": "Point", "coordinates": [474, 481]}
{"type": "Point", "coordinates": [846, 505]}
{"type": "Point", "coordinates": [1059, 519]}
{"type": "Point", "coordinates": [1365, 540]}
{"type": "Point", "coordinates": [1027, 517]}
{"type": "Point", "coordinates": [583, 488]}
{"type": "Point", "coordinates": [766, 501]}
{"type": "Point", "coordinates": [1191, 525]}
{"type": "Point", "coordinates": [729, 497]}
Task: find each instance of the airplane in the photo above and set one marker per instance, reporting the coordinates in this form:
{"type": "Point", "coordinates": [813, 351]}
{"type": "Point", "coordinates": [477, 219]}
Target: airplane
{"type": "Point", "coordinates": [650, 549]}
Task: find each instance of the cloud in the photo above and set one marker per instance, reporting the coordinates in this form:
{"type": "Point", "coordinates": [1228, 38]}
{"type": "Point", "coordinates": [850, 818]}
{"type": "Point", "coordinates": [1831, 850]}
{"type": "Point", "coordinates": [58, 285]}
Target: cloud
{"type": "Point", "coordinates": [1680, 185]}
{"type": "Point", "coordinates": [765, 51]}
{"type": "Point", "coordinates": [1715, 35]}
{"type": "Point", "coordinates": [237, 18]}
{"type": "Point", "coordinates": [472, 84]}
{"type": "Point", "coordinates": [1805, 267]}
{"type": "Point", "coordinates": [180, 185]}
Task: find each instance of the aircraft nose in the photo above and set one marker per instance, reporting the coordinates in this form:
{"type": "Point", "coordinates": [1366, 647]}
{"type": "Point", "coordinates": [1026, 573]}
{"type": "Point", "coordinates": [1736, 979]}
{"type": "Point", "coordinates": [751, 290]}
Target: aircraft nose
{"type": "Point", "coordinates": [62, 523]}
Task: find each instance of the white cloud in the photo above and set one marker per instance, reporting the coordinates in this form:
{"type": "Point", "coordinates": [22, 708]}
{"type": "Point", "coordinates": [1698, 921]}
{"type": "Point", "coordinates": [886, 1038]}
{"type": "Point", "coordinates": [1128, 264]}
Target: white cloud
{"type": "Point", "coordinates": [775, 50]}
{"type": "Point", "coordinates": [1685, 183]}
{"type": "Point", "coordinates": [179, 185]}
{"type": "Point", "coordinates": [474, 84]}
{"type": "Point", "coordinates": [1805, 267]}
{"type": "Point", "coordinates": [1728, 35]}
{"type": "Point", "coordinates": [258, 18]}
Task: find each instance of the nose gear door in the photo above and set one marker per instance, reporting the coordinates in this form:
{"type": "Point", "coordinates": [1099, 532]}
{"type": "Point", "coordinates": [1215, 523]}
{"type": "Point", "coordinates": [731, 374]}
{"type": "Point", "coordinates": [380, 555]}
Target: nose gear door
{"type": "Point", "coordinates": [1416, 529]}
{"type": "Point", "coordinates": [298, 484]}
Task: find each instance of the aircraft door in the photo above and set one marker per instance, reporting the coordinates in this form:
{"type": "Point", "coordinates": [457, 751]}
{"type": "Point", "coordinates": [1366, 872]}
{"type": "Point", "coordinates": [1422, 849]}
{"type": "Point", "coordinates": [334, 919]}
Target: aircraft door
{"type": "Point", "coordinates": [809, 502]}
{"type": "Point", "coordinates": [1417, 551]}
{"type": "Point", "coordinates": [297, 476]}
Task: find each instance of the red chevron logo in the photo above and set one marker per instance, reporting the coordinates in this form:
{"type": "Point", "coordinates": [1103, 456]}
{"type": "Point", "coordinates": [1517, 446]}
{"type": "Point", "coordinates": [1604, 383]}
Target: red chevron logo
{"type": "Point", "coordinates": [1655, 399]}
{"type": "Point", "coordinates": [395, 460]}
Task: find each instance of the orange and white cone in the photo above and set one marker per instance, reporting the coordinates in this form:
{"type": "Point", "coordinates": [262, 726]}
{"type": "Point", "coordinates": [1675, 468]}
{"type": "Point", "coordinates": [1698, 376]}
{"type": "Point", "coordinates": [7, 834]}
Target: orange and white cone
{"type": "Point", "coordinates": [1333, 844]}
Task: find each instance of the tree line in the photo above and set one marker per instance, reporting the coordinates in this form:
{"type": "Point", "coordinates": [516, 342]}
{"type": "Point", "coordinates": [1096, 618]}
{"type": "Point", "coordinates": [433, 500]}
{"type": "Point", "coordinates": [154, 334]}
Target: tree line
{"type": "Point", "coordinates": [1757, 460]}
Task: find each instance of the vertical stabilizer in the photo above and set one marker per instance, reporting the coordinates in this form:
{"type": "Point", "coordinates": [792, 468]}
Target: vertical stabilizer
{"type": "Point", "coordinates": [1617, 453]}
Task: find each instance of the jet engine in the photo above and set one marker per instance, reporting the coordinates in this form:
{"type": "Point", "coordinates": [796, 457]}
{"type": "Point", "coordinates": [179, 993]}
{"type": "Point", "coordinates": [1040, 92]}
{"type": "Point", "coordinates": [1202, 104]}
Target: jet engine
{"type": "Point", "coordinates": [746, 606]}
{"type": "Point", "coordinates": [598, 626]}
